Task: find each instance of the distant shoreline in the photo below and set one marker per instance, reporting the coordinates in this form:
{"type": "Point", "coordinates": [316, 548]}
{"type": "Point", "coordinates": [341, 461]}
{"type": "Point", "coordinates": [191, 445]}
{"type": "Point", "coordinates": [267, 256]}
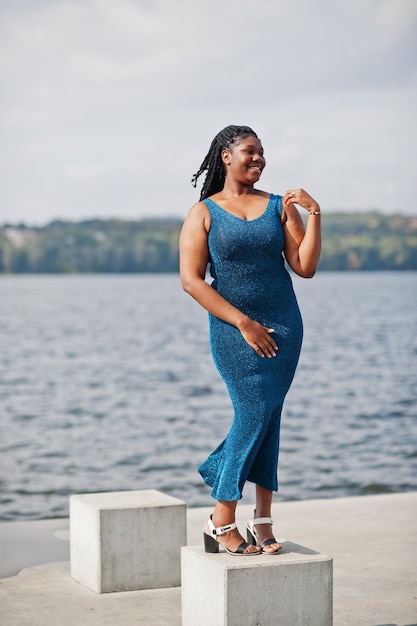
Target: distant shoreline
{"type": "Point", "coordinates": [364, 241]}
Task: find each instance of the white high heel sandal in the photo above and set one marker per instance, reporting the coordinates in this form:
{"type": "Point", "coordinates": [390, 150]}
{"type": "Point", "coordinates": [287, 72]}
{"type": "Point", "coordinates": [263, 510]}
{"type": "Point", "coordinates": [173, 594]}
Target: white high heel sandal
{"type": "Point", "coordinates": [211, 541]}
{"type": "Point", "coordinates": [252, 535]}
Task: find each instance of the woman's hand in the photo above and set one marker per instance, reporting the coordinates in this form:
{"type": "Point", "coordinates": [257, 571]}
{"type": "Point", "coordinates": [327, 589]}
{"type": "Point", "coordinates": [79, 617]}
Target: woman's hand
{"type": "Point", "coordinates": [259, 338]}
{"type": "Point", "coordinates": [302, 198]}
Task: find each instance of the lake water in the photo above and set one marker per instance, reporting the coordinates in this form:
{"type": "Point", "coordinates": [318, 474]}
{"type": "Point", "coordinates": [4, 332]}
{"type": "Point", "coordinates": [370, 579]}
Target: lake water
{"type": "Point", "coordinates": [106, 383]}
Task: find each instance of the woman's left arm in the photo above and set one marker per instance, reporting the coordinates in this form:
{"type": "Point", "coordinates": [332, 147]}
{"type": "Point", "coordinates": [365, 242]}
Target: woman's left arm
{"type": "Point", "coordinates": [302, 246]}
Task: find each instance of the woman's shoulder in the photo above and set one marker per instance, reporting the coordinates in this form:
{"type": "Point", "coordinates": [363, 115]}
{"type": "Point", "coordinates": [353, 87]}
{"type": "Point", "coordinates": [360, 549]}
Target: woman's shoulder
{"type": "Point", "coordinates": [198, 216]}
{"type": "Point", "coordinates": [199, 208]}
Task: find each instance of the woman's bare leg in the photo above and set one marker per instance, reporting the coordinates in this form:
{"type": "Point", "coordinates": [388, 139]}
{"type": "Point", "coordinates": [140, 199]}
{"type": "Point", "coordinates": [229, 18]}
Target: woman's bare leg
{"type": "Point", "coordinates": [263, 509]}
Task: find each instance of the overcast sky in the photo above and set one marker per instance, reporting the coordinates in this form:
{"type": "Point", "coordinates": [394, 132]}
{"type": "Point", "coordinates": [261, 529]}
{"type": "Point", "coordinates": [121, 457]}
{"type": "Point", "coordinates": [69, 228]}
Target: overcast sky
{"type": "Point", "coordinates": [107, 107]}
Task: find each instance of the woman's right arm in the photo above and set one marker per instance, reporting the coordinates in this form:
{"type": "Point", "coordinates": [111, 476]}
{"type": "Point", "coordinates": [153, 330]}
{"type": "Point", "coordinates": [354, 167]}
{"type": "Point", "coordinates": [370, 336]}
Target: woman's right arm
{"type": "Point", "coordinates": [194, 257]}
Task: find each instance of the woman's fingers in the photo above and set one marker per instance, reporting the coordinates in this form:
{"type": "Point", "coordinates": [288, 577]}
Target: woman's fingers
{"type": "Point", "coordinates": [291, 195]}
{"type": "Point", "coordinates": [300, 197]}
{"type": "Point", "coordinates": [266, 346]}
{"type": "Point", "coordinates": [260, 338]}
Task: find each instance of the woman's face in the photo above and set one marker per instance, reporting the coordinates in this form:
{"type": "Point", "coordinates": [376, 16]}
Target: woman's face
{"type": "Point", "coordinates": [245, 160]}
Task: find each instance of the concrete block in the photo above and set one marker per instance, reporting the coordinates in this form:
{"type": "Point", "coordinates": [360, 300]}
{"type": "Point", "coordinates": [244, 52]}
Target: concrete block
{"type": "Point", "coordinates": [293, 588]}
{"type": "Point", "coordinates": [126, 540]}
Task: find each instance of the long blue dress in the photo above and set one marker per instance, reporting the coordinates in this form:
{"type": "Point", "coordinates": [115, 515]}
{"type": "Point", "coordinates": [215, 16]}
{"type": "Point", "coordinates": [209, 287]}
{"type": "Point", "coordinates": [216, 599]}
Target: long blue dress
{"type": "Point", "coordinates": [247, 267]}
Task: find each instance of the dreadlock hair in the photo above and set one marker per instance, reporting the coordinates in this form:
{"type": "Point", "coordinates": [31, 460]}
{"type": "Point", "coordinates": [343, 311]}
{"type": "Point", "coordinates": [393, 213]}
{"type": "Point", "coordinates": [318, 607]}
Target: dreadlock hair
{"type": "Point", "coordinates": [213, 163]}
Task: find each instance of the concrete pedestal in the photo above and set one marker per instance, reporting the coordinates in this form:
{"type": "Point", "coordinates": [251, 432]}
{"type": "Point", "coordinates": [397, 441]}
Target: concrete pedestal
{"type": "Point", "coordinates": [293, 588]}
{"type": "Point", "coordinates": [126, 540]}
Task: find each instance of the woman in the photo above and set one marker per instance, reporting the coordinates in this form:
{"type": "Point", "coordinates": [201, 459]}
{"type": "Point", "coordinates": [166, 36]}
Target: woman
{"type": "Point", "coordinates": [255, 324]}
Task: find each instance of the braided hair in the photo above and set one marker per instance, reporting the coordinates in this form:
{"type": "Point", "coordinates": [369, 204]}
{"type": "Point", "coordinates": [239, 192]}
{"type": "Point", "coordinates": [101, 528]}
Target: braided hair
{"type": "Point", "coordinates": [213, 163]}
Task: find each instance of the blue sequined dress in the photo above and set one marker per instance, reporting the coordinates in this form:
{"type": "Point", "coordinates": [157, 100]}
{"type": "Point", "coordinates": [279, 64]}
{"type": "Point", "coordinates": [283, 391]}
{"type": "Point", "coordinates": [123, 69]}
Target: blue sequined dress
{"type": "Point", "coordinates": [247, 267]}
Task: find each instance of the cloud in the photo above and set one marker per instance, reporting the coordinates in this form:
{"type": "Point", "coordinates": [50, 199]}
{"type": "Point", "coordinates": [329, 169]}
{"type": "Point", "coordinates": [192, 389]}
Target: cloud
{"type": "Point", "coordinates": [108, 108]}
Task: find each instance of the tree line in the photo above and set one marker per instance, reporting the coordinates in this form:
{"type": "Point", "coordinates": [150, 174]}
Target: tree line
{"type": "Point", "coordinates": [351, 241]}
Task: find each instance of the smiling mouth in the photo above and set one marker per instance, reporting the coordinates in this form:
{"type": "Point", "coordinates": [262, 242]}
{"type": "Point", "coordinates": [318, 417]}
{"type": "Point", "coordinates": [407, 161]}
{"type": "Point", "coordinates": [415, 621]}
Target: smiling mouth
{"type": "Point", "coordinates": [255, 167]}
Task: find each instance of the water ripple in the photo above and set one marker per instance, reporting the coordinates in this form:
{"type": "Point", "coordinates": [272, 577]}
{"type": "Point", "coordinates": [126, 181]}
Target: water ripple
{"type": "Point", "coordinates": [106, 383]}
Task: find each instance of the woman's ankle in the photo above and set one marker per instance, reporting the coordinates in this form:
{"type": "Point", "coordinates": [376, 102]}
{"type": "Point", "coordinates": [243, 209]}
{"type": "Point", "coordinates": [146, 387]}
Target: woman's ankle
{"type": "Point", "coordinates": [224, 513]}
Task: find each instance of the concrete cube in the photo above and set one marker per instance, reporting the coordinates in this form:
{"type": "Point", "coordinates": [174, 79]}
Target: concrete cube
{"type": "Point", "coordinates": [126, 540]}
{"type": "Point", "coordinates": [293, 588]}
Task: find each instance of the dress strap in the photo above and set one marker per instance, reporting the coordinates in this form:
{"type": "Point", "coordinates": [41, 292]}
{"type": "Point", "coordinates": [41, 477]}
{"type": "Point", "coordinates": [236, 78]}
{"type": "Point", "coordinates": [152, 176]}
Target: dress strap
{"type": "Point", "coordinates": [278, 203]}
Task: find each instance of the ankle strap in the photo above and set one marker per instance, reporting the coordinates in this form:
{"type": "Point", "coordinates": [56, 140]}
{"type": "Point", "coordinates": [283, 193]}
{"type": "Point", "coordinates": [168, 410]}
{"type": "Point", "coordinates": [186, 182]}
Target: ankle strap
{"type": "Point", "coordinates": [220, 530]}
{"type": "Point", "coordinates": [262, 520]}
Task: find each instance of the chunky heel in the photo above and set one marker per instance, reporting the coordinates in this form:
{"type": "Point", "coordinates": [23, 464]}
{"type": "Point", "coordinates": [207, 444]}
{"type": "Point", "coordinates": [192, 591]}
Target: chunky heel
{"type": "Point", "coordinates": [250, 538]}
{"type": "Point", "coordinates": [210, 544]}
{"type": "Point", "coordinates": [252, 535]}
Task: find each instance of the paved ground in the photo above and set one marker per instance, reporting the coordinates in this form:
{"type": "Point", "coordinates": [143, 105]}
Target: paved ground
{"type": "Point", "coordinates": [372, 540]}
